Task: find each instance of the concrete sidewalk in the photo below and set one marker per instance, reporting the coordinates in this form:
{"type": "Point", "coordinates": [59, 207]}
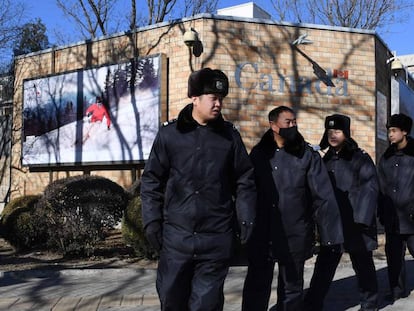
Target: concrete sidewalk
{"type": "Point", "coordinates": [134, 289]}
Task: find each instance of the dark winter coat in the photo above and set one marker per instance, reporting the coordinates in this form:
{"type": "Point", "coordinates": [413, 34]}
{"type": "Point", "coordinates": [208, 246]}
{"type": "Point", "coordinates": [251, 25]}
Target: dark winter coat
{"type": "Point", "coordinates": [293, 190]}
{"type": "Point", "coordinates": [194, 180]}
{"type": "Point", "coordinates": [354, 178]}
{"type": "Point", "coordinates": [396, 175]}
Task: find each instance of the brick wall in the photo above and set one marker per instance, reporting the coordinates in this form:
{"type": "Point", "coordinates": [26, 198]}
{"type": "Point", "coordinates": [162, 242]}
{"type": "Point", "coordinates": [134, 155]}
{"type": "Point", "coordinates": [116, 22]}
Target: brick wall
{"type": "Point", "coordinates": [262, 68]}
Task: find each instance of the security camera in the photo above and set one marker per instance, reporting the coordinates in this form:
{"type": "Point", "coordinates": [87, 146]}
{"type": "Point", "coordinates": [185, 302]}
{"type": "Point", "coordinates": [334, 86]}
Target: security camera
{"type": "Point", "coordinates": [396, 65]}
{"type": "Point", "coordinates": [190, 37]}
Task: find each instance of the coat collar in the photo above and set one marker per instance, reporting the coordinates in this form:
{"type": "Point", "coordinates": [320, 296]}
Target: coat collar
{"type": "Point", "coordinates": [268, 145]}
{"type": "Point", "coordinates": [408, 150]}
{"type": "Point", "coordinates": [186, 122]}
{"type": "Point", "coordinates": [347, 151]}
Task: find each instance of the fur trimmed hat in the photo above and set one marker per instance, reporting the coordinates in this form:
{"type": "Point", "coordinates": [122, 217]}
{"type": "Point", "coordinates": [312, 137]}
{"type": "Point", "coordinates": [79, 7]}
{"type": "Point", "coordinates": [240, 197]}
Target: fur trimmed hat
{"type": "Point", "coordinates": [401, 121]}
{"type": "Point", "coordinates": [339, 122]}
{"type": "Point", "coordinates": [208, 81]}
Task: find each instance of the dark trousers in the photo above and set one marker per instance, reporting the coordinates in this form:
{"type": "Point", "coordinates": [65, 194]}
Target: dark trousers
{"type": "Point", "coordinates": [258, 284]}
{"type": "Point", "coordinates": [191, 285]}
{"type": "Point", "coordinates": [395, 248]}
{"type": "Point", "coordinates": [326, 263]}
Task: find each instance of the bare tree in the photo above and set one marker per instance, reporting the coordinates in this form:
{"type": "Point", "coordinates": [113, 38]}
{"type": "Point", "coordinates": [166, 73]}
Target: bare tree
{"type": "Point", "coordinates": [193, 7]}
{"type": "Point", "coordinates": [93, 17]}
{"type": "Point", "coordinates": [11, 14]}
{"type": "Point", "coordinates": [133, 16]}
{"type": "Point", "coordinates": [158, 10]}
{"type": "Point", "coordinates": [99, 17]}
{"type": "Point", "coordinates": [364, 14]}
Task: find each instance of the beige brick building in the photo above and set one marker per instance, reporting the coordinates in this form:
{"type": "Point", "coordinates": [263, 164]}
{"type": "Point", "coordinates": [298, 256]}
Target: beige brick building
{"type": "Point", "coordinates": [342, 71]}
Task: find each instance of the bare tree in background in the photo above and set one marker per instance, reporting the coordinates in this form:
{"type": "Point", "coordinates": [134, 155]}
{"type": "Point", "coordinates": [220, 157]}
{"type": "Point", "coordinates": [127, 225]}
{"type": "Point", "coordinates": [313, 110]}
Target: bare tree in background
{"type": "Point", "coordinates": [94, 18]}
{"type": "Point", "coordinates": [133, 15]}
{"type": "Point", "coordinates": [363, 14]}
{"type": "Point", "coordinates": [193, 7]}
{"type": "Point", "coordinates": [158, 10]}
{"type": "Point", "coordinates": [11, 14]}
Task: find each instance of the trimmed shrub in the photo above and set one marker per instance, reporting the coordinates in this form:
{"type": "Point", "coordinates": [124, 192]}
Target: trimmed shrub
{"type": "Point", "coordinates": [80, 210]}
{"type": "Point", "coordinates": [21, 225]}
{"type": "Point", "coordinates": [132, 227]}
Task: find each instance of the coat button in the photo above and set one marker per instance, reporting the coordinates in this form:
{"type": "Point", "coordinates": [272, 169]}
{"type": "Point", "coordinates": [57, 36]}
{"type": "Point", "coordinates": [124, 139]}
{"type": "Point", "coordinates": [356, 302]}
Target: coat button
{"type": "Point", "coordinates": [196, 192]}
{"type": "Point", "coordinates": [275, 167]}
{"type": "Point", "coordinates": [396, 164]}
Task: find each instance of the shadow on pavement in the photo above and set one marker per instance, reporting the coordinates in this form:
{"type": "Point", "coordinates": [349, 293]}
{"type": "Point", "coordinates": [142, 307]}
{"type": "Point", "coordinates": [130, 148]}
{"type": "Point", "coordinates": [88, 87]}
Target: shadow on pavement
{"type": "Point", "coordinates": [343, 293]}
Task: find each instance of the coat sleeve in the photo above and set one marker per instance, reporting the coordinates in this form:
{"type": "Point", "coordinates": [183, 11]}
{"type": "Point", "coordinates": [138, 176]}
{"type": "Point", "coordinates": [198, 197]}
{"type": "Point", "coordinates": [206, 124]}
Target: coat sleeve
{"type": "Point", "coordinates": [245, 188]}
{"type": "Point", "coordinates": [153, 182]}
{"type": "Point", "coordinates": [326, 210]}
{"type": "Point", "coordinates": [382, 199]}
{"type": "Point", "coordinates": [365, 207]}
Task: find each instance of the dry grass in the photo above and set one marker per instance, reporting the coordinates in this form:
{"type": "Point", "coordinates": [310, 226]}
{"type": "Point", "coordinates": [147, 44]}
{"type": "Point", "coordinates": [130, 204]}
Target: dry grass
{"type": "Point", "coordinates": [110, 253]}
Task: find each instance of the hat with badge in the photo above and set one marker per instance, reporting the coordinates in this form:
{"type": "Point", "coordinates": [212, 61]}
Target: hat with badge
{"type": "Point", "coordinates": [339, 122]}
{"type": "Point", "coordinates": [336, 122]}
{"type": "Point", "coordinates": [208, 81]}
{"type": "Point", "coordinates": [401, 121]}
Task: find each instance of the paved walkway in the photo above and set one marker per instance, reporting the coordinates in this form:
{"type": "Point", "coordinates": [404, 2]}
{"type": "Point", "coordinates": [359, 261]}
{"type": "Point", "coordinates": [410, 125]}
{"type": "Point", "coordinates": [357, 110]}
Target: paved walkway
{"type": "Point", "coordinates": [134, 289]}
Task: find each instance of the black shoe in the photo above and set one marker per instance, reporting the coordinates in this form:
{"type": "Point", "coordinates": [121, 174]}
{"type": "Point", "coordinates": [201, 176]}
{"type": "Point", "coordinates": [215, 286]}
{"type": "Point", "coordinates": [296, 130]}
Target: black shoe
{"type": "Point", "coordinates": [394, 297]}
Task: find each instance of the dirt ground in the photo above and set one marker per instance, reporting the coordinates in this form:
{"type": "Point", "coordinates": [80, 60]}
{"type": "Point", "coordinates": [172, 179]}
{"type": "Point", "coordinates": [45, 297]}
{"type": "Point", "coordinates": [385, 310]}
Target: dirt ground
{"type": "Point", "coordinates": [110, 253]}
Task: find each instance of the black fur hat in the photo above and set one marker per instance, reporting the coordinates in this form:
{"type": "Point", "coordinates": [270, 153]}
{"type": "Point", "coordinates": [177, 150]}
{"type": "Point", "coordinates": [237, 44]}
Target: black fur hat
{"type": "Point", "coordinates": [336, 122]}
{"type": "Point", "coordinates": [339, 122]}
{"type": "Point", "coordinates": [401, 121]}
{"type": "Point", "coordinates": [208, 81]}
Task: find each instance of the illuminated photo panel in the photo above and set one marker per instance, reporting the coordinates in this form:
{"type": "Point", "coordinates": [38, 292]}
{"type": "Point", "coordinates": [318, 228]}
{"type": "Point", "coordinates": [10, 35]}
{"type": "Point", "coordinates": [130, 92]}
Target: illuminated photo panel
{"type": "Point", "coordinates": [103, 115]}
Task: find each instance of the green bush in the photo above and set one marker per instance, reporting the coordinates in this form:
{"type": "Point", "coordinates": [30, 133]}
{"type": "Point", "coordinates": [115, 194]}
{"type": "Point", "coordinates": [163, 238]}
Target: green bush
{"type": "Point", "coordinates": [21, 225]}
{"type": "Point", "coordinates": [132, 227]}
{"type": "Point", "coordinates": [80, 210]}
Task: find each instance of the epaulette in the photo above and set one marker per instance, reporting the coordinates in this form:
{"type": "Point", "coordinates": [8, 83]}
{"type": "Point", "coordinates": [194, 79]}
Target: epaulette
{"type": "Point", "coordinates": [314, 147]}
{"type": "Point", "coordinates": [234, 127]}
{"type": "Point", "coordinates": [169, 122]}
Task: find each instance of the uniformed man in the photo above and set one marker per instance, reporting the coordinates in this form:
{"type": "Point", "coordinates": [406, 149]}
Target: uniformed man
{"type": "Point", "coordinates": [354, 179]}
{"type": "Point", "coordinates": [293, 189]}
{"type": "Point", "coordinates": [396, 211]}
{"type": "Point", "coordinates": [197, 175]}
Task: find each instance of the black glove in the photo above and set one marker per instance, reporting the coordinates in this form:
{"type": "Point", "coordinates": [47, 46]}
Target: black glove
{"type": "Point", "coordinates": [381, 219]}
{"type": "Point", "coordinates": [246, 229]}
{"type": "Point", "coordinates": [153, 233]}
{"type": "Point", "coordinates": [109, 127]}
{"type": "Point", "coordinates": [335, 248]}
{"type": "Point", "coordinates": [362, 227]}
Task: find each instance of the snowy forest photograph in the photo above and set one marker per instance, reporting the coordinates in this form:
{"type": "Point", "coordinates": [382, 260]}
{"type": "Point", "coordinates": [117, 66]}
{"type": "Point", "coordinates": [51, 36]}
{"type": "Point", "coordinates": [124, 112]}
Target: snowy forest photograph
{"type": "Point", "coordinates": [103, 115]}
